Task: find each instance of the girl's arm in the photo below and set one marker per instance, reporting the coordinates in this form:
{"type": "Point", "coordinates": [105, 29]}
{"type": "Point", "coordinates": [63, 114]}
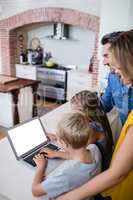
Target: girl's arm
{"type": "Point", "coordinates": [121, 166]}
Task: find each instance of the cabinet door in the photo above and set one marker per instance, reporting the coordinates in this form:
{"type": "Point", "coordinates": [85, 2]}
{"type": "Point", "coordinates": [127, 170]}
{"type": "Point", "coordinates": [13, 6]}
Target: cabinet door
{"type": "Point", "coordinates": [51, 74]}
{"type": "Point", "coordinates": [27, 72]}
{"type": "Point", "coordinates": [51, 92]}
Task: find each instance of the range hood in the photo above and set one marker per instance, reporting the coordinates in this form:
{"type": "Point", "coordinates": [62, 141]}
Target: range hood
{"type": "Point", "coordinates": [60, 31]}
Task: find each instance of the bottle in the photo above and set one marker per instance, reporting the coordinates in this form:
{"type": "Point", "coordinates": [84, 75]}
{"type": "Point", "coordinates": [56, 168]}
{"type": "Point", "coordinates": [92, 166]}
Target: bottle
{"type": "Point", "coordinates": [30, 56]}
{"type": "Point", "coordinates": [21, 58]}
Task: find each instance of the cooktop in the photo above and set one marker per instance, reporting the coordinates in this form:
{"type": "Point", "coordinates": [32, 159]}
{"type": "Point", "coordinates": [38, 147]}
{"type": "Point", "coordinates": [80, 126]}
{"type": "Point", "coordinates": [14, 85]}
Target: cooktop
{"type": "Point", "coordinates": [57, 67]}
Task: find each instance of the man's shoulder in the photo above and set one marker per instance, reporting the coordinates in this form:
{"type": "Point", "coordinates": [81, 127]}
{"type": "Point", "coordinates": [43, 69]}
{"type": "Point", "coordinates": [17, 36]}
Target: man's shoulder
{"type": "Point", "coordinates": [114, 78]}
{"type": "Point", "coordinates": [113, 75]}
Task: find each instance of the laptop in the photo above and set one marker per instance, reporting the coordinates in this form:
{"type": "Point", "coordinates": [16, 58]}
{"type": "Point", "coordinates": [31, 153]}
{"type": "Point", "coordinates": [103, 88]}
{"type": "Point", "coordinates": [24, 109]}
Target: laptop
{"type": "Point", "coordinates": [27, 139]}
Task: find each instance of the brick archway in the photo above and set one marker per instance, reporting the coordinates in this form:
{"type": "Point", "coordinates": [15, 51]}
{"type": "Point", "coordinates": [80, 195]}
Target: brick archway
{"type": "Point", "coordinates": [8, 37]}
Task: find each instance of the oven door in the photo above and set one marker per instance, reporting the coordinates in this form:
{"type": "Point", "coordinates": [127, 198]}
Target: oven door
{"type": "Point", "coordinates": [51, 92]}
{"type": "Point", "coordinates": [53, 83]}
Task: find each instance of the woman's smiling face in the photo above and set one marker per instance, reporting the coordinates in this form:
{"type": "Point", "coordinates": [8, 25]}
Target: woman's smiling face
{"type": "Point", "coordinates": [117, 70]}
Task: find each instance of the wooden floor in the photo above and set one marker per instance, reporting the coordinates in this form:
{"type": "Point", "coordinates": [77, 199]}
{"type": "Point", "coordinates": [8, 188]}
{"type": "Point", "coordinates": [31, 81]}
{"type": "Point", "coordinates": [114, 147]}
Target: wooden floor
{"type": "Point", "coordinates": [49, 105]}
{"type": "Point", "coordinates": [2, 132]}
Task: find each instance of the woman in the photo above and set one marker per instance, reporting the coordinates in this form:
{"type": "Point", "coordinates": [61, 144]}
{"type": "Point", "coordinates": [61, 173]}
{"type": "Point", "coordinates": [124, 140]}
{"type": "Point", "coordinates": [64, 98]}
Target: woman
{"type": "Point", "coordinates": [117, 181]}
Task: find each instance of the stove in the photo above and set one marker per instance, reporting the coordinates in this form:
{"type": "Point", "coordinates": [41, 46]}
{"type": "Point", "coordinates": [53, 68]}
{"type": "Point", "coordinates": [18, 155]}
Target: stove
{"type": "Point", "coordinates": [53, 82]}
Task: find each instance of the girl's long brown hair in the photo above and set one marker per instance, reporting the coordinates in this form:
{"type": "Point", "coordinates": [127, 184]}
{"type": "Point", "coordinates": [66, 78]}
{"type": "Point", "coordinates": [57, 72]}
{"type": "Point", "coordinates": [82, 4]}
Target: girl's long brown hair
{"type": "Point", "coordinates": [91, 106]}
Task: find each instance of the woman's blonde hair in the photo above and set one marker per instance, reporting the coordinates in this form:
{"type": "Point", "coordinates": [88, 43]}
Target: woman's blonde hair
{"type": "Point", "coordinates": [73, 129]}
{"type": "Point", "coordinates": [122, 53]}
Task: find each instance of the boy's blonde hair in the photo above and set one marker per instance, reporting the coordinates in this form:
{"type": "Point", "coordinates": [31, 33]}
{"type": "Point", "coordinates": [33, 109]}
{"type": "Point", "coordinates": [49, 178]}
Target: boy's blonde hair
{"type": "Point", "coordinates": [73, 129]}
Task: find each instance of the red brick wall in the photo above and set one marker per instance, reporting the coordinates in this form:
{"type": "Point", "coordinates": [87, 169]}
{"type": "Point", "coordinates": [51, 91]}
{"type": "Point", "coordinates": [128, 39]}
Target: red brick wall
{"type": "Point", "coordinates": [8, 28]}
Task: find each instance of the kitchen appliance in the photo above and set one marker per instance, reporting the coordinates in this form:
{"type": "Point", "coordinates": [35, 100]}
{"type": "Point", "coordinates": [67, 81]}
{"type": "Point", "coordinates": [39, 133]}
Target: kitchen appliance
{"type": "Point", "coordinates": [53, 82]}
{"type": "Point", "coordinates": [60, 31]}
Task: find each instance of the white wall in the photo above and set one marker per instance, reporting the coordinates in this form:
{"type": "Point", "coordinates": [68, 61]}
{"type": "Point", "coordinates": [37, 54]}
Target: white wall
{"type": "Point", "coordinates": [116, 15]}
{"type": "Point", "coordinates": [75, 51]}
{"type": "Point", "coordinates": [130, 21]}
{"type": "Point", "coordinates": [12, 7]}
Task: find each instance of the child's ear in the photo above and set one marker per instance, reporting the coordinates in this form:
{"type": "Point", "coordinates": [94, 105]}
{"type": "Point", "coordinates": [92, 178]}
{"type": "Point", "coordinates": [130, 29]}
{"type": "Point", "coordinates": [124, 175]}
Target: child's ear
{"type": "Point", "coordinates": [62, 143]}
{"type": "Point", "coordinates": [65, 144]}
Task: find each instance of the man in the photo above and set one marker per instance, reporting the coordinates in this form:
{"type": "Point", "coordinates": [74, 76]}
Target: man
{"type": "Point", "coordinates": [116, 93]}
{"type": "Point", "coordinates": [106, 42]}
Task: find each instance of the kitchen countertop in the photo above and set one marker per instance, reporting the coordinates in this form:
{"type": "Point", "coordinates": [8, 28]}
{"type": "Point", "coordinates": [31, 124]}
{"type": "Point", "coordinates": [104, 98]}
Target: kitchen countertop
{"type": "Point", "coordinates": [56, 66]}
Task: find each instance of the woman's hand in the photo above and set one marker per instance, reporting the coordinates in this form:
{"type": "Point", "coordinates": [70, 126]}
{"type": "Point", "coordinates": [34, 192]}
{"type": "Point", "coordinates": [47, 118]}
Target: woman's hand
{"type": "Point", "coordinates": [40, 160]}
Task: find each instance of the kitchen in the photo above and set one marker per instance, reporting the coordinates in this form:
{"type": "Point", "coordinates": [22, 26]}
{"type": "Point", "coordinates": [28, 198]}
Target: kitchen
{"type": "Point", "coordinates": [23, 23]}
{"type": "Point", "coordinates": [47, 54]}
{"type": "Point", "coordinates": [38, 51]}
{"type": "Point", "coordinates": [42, 26]}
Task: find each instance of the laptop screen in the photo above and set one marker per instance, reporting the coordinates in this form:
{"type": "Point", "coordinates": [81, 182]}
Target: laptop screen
{"type": "Point", "coordinates": [27, 136]}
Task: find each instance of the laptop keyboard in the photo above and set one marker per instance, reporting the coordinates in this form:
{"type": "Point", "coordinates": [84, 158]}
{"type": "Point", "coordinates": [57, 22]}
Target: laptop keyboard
{"type": "Point", "coordinates": [29, 159]}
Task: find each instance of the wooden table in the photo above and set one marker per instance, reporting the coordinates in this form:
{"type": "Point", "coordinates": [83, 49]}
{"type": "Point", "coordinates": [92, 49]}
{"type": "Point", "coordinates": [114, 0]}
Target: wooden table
{"type": "Point", "coordinates": [13, 88]}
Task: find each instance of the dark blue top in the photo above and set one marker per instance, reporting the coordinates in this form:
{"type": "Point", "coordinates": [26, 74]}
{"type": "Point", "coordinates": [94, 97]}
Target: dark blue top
{"type": "Point", "coordinates": [103, 145]}
{"type": "Point", "coordinates": [119, 95]}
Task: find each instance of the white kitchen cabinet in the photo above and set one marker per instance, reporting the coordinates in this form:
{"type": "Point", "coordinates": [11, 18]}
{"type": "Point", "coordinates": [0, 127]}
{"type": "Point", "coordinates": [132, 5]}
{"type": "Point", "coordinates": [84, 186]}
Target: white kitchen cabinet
{"type": "Point", "coordinates": [26, 71]}
{"type": "Point", "coordinates": [78, 81]}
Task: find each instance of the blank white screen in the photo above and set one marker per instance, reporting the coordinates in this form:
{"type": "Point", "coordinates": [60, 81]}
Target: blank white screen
{"type": "Point", "coordinates": [27, 136]}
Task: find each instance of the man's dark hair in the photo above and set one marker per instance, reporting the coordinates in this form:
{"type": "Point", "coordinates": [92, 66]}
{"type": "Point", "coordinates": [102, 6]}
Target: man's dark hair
{"type": "Point", "coordinates": [110, 37]}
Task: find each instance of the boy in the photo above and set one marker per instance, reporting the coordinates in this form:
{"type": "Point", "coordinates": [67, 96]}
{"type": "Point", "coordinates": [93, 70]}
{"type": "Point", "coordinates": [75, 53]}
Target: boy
{"type": "Point", "coordinates": [81, 165]}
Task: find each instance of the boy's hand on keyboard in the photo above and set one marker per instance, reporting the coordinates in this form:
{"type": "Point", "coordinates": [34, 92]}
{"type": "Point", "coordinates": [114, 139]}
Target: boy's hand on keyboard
{"type": "Point", "coordinates": [49, 153]}
{"type": "Point", "coordinates": [40, 160]}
